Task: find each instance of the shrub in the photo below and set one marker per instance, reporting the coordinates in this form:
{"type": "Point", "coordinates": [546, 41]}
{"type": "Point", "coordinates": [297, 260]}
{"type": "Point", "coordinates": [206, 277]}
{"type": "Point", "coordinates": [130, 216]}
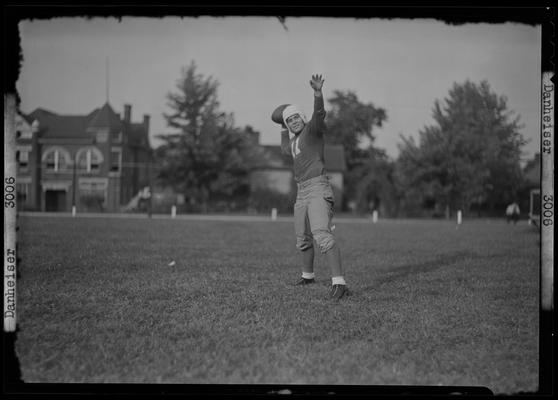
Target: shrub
{"type": "Point", "coordinates": [92, 201]}
{"type": "Point", "coordinates": [263, 200]}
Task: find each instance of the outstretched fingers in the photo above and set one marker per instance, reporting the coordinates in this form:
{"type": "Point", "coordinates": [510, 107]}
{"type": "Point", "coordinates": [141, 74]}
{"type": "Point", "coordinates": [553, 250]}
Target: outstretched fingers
{"type": "Point", "coordinates": [316, 81]}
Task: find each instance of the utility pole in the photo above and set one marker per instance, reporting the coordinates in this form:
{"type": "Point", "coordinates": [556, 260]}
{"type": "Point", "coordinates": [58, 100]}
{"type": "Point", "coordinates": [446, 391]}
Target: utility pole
{"type": "Point", "coordinates": [107, 79]}
{"type": "Point", "coordinates": [74, 182]}
{"type": "Point", "coordinates": [150, 200]}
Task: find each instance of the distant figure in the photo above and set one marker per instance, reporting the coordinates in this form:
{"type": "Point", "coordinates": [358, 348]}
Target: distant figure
{"type": "Point", "coordinates": [145, 200]}
{"type": "Point", "coordinates": [512, 213]}
{"type": "Point", "coordinates": [373, 205]}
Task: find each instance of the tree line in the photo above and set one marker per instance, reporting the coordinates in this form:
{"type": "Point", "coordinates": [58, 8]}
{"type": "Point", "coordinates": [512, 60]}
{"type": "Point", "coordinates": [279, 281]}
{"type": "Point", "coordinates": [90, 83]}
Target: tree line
{"type": "Point", "coordinates": [468, 159]}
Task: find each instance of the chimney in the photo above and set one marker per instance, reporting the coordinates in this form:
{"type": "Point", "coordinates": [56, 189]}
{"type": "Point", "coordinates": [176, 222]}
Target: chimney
{"type": "Point", "coordinates": [35, 126]}
{"type": "Point", "coordinates": [146, 122]}
{"type": "Point", "coordinates": [256, 137]}
{"type": "Point", "coordinates": [127, 113]}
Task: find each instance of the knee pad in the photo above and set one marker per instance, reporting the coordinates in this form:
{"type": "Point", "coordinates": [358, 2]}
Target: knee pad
{"type": "Point", "coordinates": [325, 240]}
{"type": "Point", "coordinates": [304, 243]}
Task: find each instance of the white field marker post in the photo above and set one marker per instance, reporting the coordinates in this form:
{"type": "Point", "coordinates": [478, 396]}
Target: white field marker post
{"type": "Point", "coordinates": [375, 216]}
{"type": "Point", "coordinates": [459, 217]}
{"type": "Point", "coordinates": [173, 211]}
{"type": "Point", "coordinates": [73, 211]}
{"type": "Point", "coordinates": [273, 214]}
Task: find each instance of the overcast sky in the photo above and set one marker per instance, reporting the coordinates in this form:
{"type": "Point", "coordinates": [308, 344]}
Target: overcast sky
{"type": "Point", "coordinates": [400, 65]}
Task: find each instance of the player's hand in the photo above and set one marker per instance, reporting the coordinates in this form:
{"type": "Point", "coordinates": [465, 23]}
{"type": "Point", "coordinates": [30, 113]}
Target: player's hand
{"type": "Point", "coordinates": [316, 82]}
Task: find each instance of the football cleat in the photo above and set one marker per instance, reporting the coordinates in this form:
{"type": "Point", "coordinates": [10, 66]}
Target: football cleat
{"type": "Point", "coordinates": [338, 291]}
{"type": "Point", "coordinates": [304, 281]}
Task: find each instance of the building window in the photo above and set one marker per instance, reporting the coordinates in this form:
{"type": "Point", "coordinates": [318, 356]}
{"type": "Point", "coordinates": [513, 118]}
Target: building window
{"type": "Point", "coordinates": [89, 160]}
{"type": "Point", "coordinates": [24, 134]}
{"type": "Point", "coordinates": [117, 137]}
{"type": "Point", "coordinates": [22, 159]}
{"type": "Point", "coordinates": [23, 129]}
{"type": "Point", "coordinates": [102, 136]}
{"type": "Point", "coordinates": [22, 192]}
{"type": "Point", "coordinates": [90, 186]}
{"type": "Point", "coordinates": [116, 159]}
{"type": "Point", "coordinates": [56, 159]}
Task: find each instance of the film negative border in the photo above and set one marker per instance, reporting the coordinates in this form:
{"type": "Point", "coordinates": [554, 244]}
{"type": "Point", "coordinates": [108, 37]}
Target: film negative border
{"type": "Point", "coordinates": [10, 215]}
{"type": "Point", "coordinates": [547, 192]}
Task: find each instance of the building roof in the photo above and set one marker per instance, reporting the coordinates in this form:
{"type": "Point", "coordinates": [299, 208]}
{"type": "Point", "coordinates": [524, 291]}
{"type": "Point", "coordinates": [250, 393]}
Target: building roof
{"type": "Point", "coordinates": [105, 117]}
{"type": "Point", "coordinates": [274, 158]}
{"type": "Point", "coordinates": [26, 118]}
{"type": "Point", "coordinates": [55, 126]}
{"type": "Point", "coordinates": [61, 126]}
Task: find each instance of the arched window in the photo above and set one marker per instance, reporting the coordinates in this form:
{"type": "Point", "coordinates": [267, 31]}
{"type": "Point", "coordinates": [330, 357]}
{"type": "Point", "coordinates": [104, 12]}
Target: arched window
{"type": "Point", "coordinates": [56, 159]}
{"type": "Point", "coordinates": [89, 159]}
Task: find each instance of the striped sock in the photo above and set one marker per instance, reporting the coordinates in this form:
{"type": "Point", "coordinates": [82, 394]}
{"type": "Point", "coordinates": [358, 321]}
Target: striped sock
{"type": "Point", "coordinates": [338, 280]}
{"type": "Point", "coordinates": [308, 275]}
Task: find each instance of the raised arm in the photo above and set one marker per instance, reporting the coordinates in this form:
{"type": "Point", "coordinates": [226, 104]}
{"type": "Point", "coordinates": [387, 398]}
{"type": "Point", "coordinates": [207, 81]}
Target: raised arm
{"type": "Point", "coordinates": [319, 113]}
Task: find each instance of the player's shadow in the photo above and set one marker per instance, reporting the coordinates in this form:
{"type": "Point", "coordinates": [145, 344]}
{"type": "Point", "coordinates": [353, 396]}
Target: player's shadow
{"type": "Point", "coordinates": [404, 271]}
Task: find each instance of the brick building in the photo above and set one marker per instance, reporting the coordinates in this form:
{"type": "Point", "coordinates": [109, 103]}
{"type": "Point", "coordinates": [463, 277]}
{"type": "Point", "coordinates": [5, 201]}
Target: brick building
{"type": "Point", "coordinates": [96, 162]}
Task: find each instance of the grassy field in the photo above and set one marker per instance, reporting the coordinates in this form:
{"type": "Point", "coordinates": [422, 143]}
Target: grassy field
{"type": "Point", "coordinates": [431, 304]}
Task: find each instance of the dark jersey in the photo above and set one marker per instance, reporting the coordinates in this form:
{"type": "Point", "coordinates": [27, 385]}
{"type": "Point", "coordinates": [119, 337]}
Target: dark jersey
{"type": "Point", "coordinates": [307, 148]}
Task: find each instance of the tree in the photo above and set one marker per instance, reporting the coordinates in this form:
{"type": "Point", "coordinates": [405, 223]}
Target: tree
{"type": "Point", "coordinates": [373, 180]}
{"type": "Point", "coordinates": [470, 156]}
{"type": "Point", "coordinates": [209, 158]}
{"type": "Point", "coordinates": [351, 123]}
